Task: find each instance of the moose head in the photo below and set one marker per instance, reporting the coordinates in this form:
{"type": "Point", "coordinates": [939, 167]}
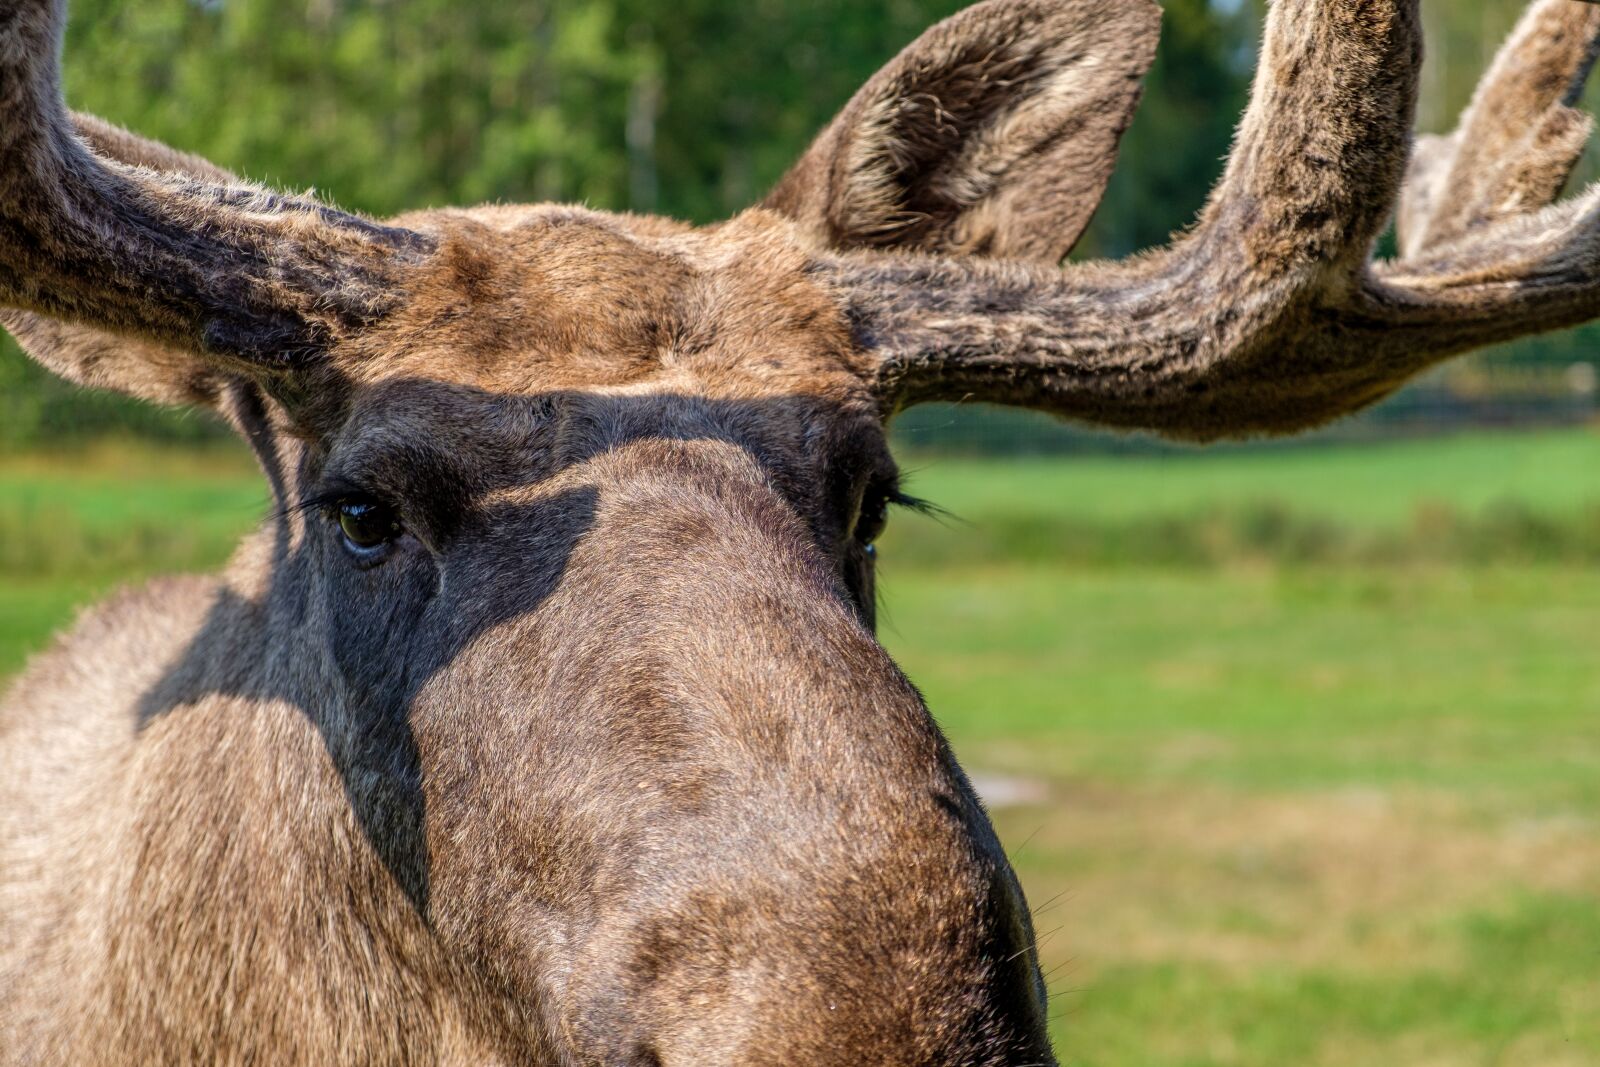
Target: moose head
{"type": "Point", "coordinates": [543, 721]}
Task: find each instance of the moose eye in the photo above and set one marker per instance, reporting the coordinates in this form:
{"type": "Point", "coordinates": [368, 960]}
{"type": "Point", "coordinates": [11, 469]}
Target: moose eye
{"type": "Point", "coordinates": [874, 516]}
{"type": "Point", "coordinates": [366, 524]}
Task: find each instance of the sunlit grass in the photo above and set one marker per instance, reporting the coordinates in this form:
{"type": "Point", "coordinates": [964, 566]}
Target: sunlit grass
{"type": "Point", "coordinates": [1369, 485]}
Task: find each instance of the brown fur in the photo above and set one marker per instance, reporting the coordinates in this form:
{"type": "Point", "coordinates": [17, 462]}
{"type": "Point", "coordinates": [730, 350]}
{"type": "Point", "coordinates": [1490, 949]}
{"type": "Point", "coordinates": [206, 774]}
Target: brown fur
{"type": "Point", "coordinates": [994, 134]}
{"type": "Point", "coordinates": [601, 764]}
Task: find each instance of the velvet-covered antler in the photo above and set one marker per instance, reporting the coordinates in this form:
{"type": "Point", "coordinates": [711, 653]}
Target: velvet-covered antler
{"type": "Point", "coordinates": [1267, 316]}
{"type": "Point", "coordinates": [190, 261]}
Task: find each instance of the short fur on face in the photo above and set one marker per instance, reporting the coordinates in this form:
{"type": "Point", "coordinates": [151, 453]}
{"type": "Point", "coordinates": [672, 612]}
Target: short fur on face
{"type": "Point", "coordinates": [588, 755]}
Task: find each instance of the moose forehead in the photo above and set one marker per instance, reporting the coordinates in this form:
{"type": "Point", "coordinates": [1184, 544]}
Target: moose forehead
{"type": "Point", "coordinates": [547, 335]}
{"type": "Point", "coordinates": [523, 300]}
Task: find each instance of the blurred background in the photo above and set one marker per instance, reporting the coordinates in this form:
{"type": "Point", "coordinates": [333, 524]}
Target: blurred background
{"type": "Point", "coordinates": [1295, 745]}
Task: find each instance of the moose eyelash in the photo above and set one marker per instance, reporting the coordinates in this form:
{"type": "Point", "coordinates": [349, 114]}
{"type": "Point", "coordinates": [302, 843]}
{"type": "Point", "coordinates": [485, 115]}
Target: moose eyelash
{"type": "Point", "coordinates": [917, 504]}
{"type": "Point", "coordinates": [324, 500]}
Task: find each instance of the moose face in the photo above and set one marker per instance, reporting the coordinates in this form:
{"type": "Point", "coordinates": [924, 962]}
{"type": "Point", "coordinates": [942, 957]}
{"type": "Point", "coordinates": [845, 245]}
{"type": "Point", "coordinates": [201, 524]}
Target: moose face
{"type": "Point", "coordinates": [565, 337]}
{"type": "Point", "coordinates": [543, 723]}
{"type": "Point", "coordinates": [588, 523]}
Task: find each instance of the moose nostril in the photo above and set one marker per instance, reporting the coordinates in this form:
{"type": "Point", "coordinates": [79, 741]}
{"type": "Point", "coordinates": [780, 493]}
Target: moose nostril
{"type": "Point", "coordinates": [644, 1056]}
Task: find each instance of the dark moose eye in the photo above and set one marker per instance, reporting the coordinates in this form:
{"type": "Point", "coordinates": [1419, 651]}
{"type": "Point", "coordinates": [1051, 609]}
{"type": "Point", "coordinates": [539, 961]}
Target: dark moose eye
{"type": "Point", "coordinates": [874, 516]}
{"type": "Point", "coordinates": [367, 525]}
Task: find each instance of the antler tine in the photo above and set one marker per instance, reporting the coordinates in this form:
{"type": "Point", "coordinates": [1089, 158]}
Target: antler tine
{"type": "Point", "coordinates": [1487, 257]}
{"type": "Point", "coordinates": [205, 266]}
{"type": "Point", "coordinates": [1267, 316]}
{"type": "Point", "coordinates": [1525, 274]}
{"type": "Point", "coordinates": [1517, 142]}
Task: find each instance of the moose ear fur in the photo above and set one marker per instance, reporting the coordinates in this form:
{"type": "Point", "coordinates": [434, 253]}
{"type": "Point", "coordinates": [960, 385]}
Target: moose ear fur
{"type": "Point", "coordinates": [993, 134]}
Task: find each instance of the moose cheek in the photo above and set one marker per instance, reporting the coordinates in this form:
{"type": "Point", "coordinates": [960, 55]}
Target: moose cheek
{"type": "Point", "coordinates": [373, 618]}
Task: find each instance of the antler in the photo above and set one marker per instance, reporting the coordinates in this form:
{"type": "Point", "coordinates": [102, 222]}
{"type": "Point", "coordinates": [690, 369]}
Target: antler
{"type": "Point", "coordinates": [202, 264]}
{"type": "Point", "coordinates": [1517, 142]}
{"type": "Point", "coordinates": [1267, 316]}
{"type": "Point", "coordinates": [94, 357]}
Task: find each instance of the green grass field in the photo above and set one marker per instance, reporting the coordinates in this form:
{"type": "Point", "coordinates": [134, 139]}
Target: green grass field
{"type": "Point", "coordinates": [1313, 735]}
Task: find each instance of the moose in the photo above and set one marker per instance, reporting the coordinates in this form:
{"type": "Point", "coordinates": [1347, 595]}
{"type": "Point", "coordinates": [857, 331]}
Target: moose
{"type": "Point", "coordinates": [542, 721]}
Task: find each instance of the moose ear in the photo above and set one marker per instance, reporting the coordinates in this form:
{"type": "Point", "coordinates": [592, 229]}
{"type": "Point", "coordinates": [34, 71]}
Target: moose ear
{"type": "Point", "coordinates": [993, 134]}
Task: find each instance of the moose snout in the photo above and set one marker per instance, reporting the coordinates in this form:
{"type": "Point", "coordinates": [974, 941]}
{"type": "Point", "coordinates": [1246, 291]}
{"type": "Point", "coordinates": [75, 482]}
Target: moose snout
{"type": "Point", "coordinates": [842, 950]}
{"type": "Point", "coordinates": [836, 965]}
{"type": "Point", "coordinates": [753, 844]}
